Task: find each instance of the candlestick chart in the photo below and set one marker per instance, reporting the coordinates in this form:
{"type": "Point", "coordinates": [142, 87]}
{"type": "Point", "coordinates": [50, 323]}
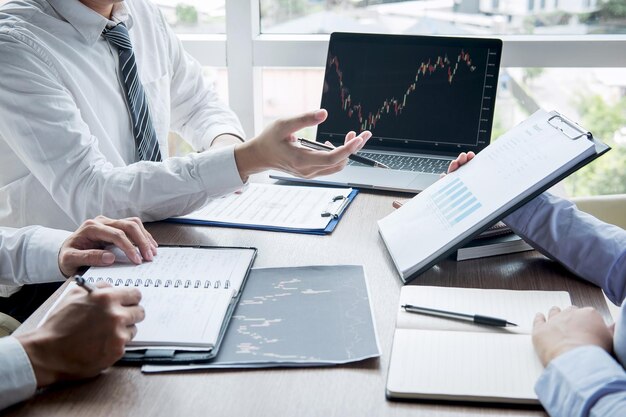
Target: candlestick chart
{"type": "Point", "coordinates": [409, 93]}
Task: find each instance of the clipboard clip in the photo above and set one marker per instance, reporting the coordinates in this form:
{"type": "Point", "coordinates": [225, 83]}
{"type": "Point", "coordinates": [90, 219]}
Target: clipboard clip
{"type": "Point", "coordinates": [568, 127]}
{"type": "Point", "coordinates": [329, 212]}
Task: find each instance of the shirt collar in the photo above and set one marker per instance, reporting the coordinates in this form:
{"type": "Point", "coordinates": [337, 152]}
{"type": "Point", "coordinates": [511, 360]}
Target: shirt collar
{"type": "Point", "coordinates": [87, 22]}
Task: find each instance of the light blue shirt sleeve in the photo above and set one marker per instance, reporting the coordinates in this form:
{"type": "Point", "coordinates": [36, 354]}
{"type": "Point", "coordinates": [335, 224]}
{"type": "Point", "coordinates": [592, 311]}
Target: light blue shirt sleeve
{"type": "Point", "coordinates": [585, 381]}
{"type": "Point", "coordinates": [590, 248]}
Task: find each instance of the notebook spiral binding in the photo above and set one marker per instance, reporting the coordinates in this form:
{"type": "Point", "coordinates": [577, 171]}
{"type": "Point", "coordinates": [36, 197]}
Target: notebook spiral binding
{"type": "Point", "coordinates": [159, 283]}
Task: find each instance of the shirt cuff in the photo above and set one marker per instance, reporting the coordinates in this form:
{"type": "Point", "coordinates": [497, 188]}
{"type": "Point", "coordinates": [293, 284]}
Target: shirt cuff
{"type": "Point", "coordinates": [42, 258]}
{"type": "Point", "coordinates": [575, 381]}
{"type": "Point", "coordinates": [218, 166]}
{"type": "Point", "coordinates": [17, 381]}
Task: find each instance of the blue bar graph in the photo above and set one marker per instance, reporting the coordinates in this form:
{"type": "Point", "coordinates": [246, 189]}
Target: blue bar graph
{"type": "Point", "coordinates": [455, 201]}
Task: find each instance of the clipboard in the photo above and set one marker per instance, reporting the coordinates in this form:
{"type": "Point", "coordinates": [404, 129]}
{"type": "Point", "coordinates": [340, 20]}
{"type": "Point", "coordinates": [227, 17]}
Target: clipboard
{"type": "Point", "coordinates": [332, 211]}
{"type": "Point", "coordinates": [555, 120]}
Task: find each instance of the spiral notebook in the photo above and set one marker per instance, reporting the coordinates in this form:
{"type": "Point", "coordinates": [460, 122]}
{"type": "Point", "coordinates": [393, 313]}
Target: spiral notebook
{"type": "Point", "coordinates": [189, 295]}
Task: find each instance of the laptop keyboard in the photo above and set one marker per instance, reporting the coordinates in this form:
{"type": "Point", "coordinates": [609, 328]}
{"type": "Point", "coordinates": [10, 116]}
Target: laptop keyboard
{"type": "Point", "coordinates": [407, 163]}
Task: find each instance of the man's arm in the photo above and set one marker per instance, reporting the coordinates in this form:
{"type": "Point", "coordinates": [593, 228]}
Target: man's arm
{"type": "Point", "coordinates": [590, 248]}
{"type": "Point", "coordinates": [42, 125]}
{"type": "Point", "coordinates": [68, 345]}
{"type": "Point", "coordinates": [37, 254]}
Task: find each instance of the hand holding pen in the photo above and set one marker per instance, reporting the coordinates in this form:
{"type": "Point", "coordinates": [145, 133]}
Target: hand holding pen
{"type": "Point", "coordinates": [354, 157]}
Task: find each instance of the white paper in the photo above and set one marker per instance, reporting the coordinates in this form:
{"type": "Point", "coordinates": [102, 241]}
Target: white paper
{"type": "Point", "coordinates": [438, 358]}
{"type": "Point", "coordinates": [273, 205]}
{"type": "Point", "coordinates": [519, 162]}
{"type": "Point", "coordinates": [185, 291]}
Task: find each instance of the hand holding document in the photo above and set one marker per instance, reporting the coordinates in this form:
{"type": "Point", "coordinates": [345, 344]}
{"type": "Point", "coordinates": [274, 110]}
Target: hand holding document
{"type": "Point", "coordinates": [520, 164]}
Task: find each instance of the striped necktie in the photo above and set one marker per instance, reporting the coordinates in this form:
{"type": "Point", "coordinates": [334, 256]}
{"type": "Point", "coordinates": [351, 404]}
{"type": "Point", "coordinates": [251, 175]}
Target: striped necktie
{"type": "Point", "coordinates": [143, 130]}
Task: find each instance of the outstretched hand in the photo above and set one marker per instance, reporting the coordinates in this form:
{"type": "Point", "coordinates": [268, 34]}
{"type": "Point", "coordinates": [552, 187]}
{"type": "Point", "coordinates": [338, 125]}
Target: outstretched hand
{"type": "Point", "coordinates": [277, 148]}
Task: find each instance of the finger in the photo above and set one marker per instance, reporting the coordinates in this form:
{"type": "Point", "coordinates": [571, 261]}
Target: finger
{"type": "Point", "coordinates": [329, 144]}
{"type": "Point", "coordinates": [127, 296]}
{"type": "Point", "coordinates": [135, 232]}
{"type": "Point", "coordinates": [539, 320]}
{"type": "Point", "coordinates": [396, 204]}
{"type": "Point", "coordinates": [147, 234]}
{"type": "Point", "coordinates": [73, 259]}
{"type": "Point", "coordinates": [454, 165]}
{"type": "Point", "coordinates": [116, 236]}
{"type": "Point", "coordinates": [135, 314]}
{"type": "Point", "coordinates": [349, 136]}
{"type": "Point", "coordinates": [553, 312]}
{"type": "Point", "coordinates": [131, 332]}
{"type": "Point", "coordinates": [470, 156]}
{"type": "Point", "coordinates": [293, 124]}
{"type": "Point", "coordinates": [365, 136]}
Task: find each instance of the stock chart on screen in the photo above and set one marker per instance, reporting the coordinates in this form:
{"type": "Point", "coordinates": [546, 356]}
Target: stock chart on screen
{"type": "Point", "coordinates": [411, 90]}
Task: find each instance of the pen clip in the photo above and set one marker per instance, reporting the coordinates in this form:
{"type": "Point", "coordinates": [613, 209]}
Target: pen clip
{"type": "Point", "coordinates": [329, 212]}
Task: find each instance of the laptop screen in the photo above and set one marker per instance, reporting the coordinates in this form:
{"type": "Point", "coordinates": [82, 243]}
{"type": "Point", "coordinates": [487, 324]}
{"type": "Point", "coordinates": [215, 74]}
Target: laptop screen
{"type": "Point", "coordinates": [414, 93]}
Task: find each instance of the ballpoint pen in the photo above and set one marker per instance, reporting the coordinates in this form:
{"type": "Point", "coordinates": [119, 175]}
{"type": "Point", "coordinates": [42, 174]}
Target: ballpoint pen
{"type": "Point", "coordinates": [356, 158]}
{"type": "Point", "coordinates": [82, 282]}
{"type": "Point", "coordinates": [474, 318]}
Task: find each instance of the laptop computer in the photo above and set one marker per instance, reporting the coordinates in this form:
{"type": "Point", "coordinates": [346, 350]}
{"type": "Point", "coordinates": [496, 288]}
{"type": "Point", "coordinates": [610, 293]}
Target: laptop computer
{"type": "Point", "coordinates": [424, 98]}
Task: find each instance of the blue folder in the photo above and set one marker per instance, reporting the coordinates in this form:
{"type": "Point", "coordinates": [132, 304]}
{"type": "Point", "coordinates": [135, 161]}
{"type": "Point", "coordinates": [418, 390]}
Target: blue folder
{"type": "Point", "coordinates": [334, 219]}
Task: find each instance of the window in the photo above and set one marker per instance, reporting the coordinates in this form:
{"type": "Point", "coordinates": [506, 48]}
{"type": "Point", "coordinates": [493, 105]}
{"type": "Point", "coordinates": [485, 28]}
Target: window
{"type": "Point", "coordinates": [194, 16]}
{"type": "Point", "coordinates": [460, 17]}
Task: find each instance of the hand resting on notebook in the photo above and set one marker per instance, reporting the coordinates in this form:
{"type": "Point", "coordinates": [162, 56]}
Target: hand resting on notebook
{"type": "Point", "coordinates": [86, 246]}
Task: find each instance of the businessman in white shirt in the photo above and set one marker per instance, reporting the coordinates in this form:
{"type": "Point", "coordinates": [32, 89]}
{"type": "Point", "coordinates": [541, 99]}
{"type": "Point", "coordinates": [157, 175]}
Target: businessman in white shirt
{"type": "Point", "coordinates": [87, 332]}
{"type": "Point", "coordinates": [88, 93]}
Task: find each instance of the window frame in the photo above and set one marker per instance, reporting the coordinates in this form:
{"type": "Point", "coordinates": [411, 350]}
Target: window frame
{"type": "Point", "coordinates": [244, 51]}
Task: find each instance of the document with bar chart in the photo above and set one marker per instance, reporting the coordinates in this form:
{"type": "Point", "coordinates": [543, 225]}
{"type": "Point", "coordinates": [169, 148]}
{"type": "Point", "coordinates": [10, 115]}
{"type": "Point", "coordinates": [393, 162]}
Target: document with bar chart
{"type": "Point", "coordinates": [519, 165]}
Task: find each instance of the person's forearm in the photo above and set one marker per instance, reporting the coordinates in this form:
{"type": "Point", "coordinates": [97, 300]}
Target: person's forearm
{"type": "Point", "coordinates": [592, 249]}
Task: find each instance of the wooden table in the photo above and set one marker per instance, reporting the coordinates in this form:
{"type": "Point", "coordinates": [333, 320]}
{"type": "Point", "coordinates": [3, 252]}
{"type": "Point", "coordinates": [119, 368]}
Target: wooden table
{"type": "Point", "coordinates": [353, 390]}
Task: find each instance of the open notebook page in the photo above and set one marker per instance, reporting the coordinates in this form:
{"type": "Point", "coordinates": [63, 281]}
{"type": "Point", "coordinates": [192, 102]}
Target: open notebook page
{"type": "Point", "coordinates": [518, 307]}
{"type": "Point", "coordinates": [176, 317]}
{"type": "Point", "coordinates": [436, 358]}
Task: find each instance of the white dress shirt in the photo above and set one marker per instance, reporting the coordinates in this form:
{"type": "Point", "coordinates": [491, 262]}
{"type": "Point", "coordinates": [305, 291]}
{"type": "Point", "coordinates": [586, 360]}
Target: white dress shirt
{"type": "Point", "coordinates": [28, 255]}
{"type": "Point", "coordinates": [67, 151]}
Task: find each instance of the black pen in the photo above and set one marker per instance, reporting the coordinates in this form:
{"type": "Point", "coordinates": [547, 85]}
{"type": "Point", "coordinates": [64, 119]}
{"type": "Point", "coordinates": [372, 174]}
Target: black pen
{"type": "Point", "coordinates": [356, 158]}
{"type": "Point", "coordinates": [82, 282]}
{"type": "Point", "coordinates": [474, 318]}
